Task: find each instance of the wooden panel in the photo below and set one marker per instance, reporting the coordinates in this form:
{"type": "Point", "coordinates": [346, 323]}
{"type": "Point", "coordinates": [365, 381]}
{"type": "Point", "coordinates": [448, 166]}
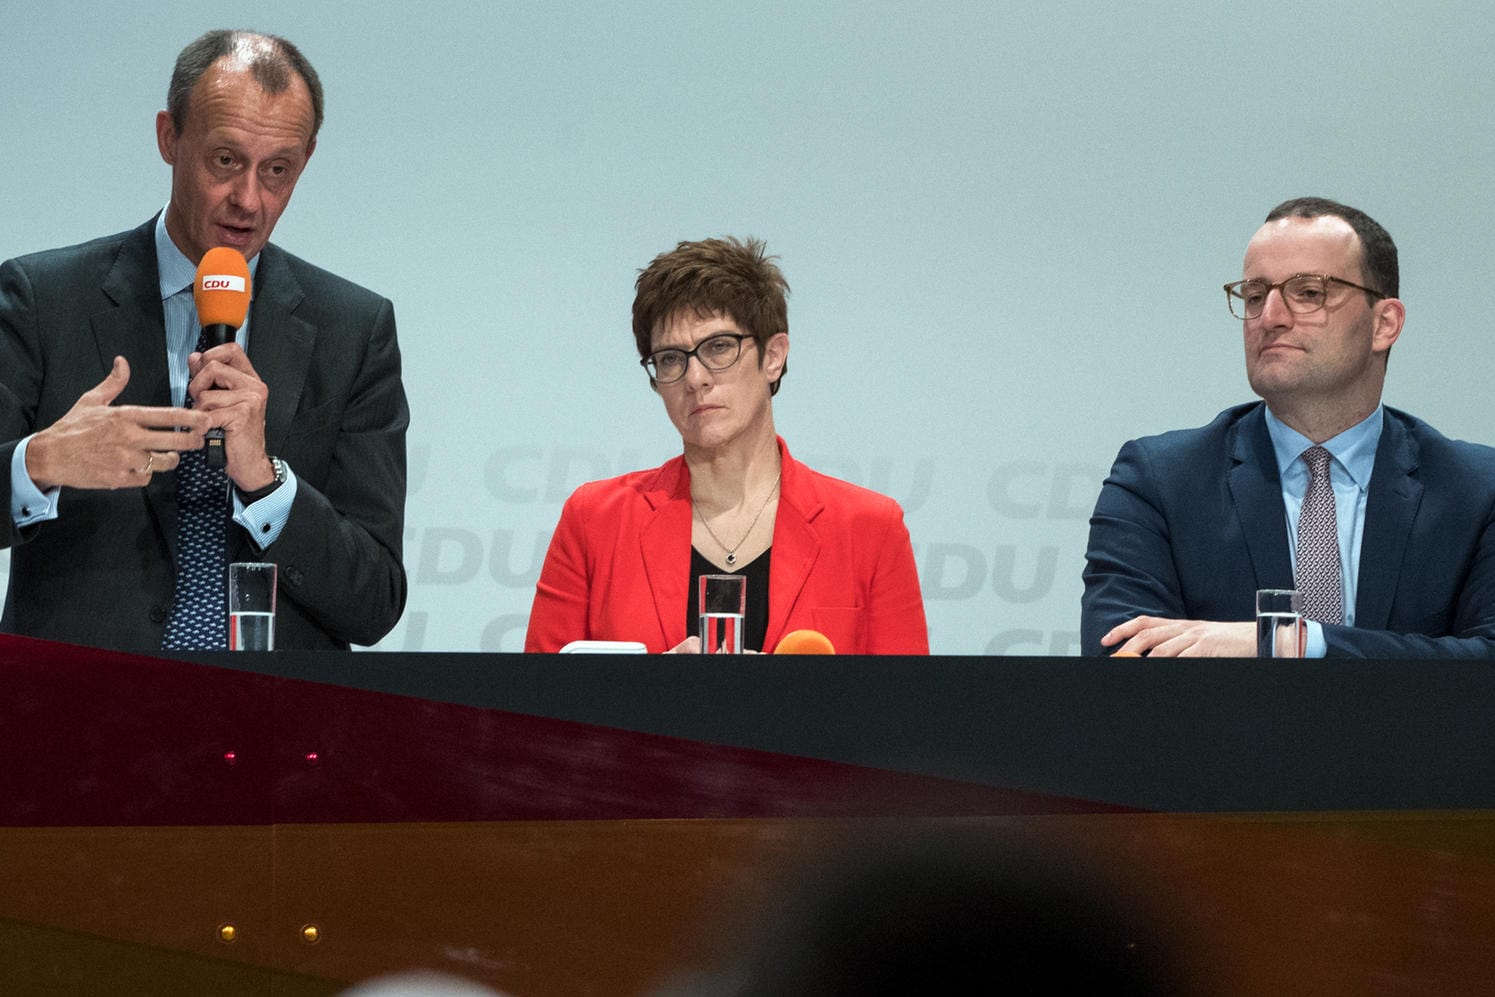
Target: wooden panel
{"type": "Point", "coordinates": [1341, 904]}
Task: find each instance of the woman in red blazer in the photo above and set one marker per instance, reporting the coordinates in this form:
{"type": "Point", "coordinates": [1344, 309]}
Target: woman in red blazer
{"type": "Point", "coordinates": [710, 322]}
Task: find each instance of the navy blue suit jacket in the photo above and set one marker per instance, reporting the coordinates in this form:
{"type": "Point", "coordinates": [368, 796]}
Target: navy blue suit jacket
{"type": "Point", "coordinates": [1191, 523]}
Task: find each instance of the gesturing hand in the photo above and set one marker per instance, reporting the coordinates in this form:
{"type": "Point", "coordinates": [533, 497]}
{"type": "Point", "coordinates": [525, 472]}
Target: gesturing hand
{"type": "Point", "coordinates": [100, 445]}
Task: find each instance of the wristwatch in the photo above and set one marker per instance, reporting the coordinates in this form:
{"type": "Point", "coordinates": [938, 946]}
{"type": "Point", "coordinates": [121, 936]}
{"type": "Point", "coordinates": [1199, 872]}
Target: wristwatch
{"type": "Point", "coordinates": [249, 498]}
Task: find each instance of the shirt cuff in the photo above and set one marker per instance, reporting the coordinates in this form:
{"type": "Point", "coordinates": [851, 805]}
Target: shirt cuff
{"type": "Point", "coordinates": [1316, 646]}
{"type": "Point", "coordinates": [263, 520]}
{"type": "Point", "coordinates": [28, 503]}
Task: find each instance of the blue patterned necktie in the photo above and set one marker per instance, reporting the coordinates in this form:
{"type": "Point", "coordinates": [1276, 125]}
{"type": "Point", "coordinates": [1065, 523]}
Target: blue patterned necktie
{"type": "Point", "coordinates": [1318, 544]}
{"type": "Point", "coordinates": [199, 612]}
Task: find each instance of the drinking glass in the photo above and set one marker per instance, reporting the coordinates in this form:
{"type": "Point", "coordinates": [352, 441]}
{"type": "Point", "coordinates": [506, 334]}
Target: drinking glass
{"type": "Point", "coordinates": [723, 603]}
{"type": "Point", "coordinates": [251, 607]}
{"type": "Point", "coordinates": [1279, 623]}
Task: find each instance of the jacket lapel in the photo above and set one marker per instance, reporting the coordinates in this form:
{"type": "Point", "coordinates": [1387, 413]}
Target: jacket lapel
{"type": "Point", "coordinates": [796, 545]}
{"type": "Point", "coordinates": [1390, 508]}
{"type": "Point", "coordinates": [1256, 491]}
{"type": "Point", "coordinates": [280, 343]}
{"type": "Point", "coordinates": [666, 561]}
{"type": "Point", "coordinates": [135, 328]}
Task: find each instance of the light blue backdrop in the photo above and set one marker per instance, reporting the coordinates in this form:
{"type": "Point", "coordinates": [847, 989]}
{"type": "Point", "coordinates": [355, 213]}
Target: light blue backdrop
{"type": "Point", "coordinates": [1005, 225]}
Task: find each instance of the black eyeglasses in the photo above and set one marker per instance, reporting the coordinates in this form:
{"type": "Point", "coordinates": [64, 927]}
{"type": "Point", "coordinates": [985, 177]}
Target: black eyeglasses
{"type": "Point", "coordinates": [715, 353]}
{"type": "Point", "coordinates": [1302, 293]}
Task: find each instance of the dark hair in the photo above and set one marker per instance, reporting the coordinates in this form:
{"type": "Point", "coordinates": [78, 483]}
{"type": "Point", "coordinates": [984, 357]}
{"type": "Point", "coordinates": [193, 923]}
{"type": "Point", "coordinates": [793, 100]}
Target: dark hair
{"type": "Point", "coordinates": [271, 63]}
{"type": "Point", "coordinates": [1379, 252]}
{"type": "Point", "coordinates": [727, 276]}
{"type": "Point", "coordinates": [983, 913]}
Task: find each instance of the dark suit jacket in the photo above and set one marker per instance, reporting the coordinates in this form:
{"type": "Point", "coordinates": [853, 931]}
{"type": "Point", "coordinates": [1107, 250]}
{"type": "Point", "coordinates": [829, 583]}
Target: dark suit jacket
{"type": "Point", "coordinates": [103, 573]}
{"type": "Point", "coordinates": [618, 567]}
{"type": "Point", "coordinates": [1191, 523]}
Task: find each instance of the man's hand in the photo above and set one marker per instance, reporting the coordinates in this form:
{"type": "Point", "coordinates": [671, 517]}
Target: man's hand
{"type": "Point", "coordinates": [1158, 637]}
{"type": "Point", "coordinates": [225, 386]}
{"type": "Point", "coordinates": [98, 445]}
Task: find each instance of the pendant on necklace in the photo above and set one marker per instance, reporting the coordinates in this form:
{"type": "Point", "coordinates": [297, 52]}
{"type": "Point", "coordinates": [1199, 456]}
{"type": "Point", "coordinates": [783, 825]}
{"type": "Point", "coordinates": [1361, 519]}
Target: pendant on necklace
{"type": "Point", "coordinates": [731, 558]}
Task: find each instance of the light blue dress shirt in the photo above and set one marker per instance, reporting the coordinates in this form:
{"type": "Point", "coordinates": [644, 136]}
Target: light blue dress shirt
{"type": "Point", "coordinates": [263, 519]}
{"type": "Point", "coordinates": [1354, 458]}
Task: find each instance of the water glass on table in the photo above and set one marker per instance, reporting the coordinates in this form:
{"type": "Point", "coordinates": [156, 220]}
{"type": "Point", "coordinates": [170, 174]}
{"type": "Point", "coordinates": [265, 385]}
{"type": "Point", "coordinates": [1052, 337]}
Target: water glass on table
{"type": "Point", "coordinates": [1279, 623]}
{"type": "Point", "coordinates": [251, 607]}
{"type": "Point", "coordinates": [723, 604]}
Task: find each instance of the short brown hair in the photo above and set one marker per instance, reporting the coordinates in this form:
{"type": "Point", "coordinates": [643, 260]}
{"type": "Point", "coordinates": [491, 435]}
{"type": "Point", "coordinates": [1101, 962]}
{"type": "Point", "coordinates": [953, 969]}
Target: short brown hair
{"type": "Point", "coordinates": [272, 70]}
{"type": "Point", "coordinates": [1378, 252]}
{"type": "Point", "coordinates": [727, 276]}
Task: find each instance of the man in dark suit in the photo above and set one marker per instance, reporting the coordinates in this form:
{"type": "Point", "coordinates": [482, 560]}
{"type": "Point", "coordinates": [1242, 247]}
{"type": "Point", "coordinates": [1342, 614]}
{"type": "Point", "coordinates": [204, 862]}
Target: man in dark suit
{"type": "Point", "coordinates": [1393, 530]}
{"type": "Point", "coordinates": [103, 392]}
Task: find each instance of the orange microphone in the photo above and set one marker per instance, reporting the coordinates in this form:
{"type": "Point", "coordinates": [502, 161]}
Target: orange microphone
{"type": "Point", "coordinates": [221, 292]}
{"type": "Point", "coordinates": [805, 642]}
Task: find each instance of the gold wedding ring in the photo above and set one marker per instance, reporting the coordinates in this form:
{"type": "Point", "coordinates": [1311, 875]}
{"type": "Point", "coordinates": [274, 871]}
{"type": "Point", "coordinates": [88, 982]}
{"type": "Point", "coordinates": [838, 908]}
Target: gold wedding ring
{"type": "Point", "coordinates": [150, 461]}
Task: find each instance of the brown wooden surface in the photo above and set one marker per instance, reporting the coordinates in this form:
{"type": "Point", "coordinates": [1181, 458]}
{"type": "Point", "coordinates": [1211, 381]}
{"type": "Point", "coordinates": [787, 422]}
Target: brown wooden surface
{"type": "Point", "coordinates": [561, 827]}
{"type": "Point", "coordinates": [1250, 904]}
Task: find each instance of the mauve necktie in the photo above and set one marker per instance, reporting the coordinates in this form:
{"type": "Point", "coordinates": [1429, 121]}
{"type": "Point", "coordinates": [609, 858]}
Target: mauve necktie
{"type": "Point", "coordinates": [198, 619]}
{"type": "Point", "coordinates": [1318, 544]}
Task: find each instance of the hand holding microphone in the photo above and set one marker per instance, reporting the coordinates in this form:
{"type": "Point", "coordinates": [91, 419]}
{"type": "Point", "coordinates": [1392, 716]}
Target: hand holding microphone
{"type": "Point", "coordinates": [222, 292]}
{"type": "Point", "coordinates": [224, 384]}
{"type": "Point", "coordinates": [99, 444]}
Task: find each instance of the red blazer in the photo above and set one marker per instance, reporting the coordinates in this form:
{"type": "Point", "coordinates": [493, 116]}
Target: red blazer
{"type": "Point", "coordinates": [618, 567]}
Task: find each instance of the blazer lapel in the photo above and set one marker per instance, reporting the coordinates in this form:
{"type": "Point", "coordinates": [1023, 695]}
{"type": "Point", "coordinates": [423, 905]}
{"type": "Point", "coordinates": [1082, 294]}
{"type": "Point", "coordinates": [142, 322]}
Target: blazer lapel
{"type": "Point", "coordinates": [135, 328]}
{"type": "Point", "coordinates": [280, 343]}
{"type": "Point", "coordinates": [1256, 490]}
{"type": "Point", "coordinates": [1390, 508]}
{"type": "Point", "coordinates": [796, 545]}
{"type": "Point", "coordinates": [666, 561]}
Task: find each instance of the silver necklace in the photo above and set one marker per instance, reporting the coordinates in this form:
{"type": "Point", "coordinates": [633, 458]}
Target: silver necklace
{"type": "Point", "coordinates": [732, 550]}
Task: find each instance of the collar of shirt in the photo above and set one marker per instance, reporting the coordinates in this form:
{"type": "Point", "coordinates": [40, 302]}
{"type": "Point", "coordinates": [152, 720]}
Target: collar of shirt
{"type": "Point", "coordinates": [179, 310]}
{"type": "Point", "coordinates": [1354, 450]}
{"type": "Point", "coordinates": [176, 271]}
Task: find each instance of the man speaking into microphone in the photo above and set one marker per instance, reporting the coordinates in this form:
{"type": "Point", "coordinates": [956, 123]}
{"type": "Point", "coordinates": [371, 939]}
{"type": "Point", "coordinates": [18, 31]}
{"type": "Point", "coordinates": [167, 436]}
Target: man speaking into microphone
{"type": "Point", "coordinates": [120, 527]}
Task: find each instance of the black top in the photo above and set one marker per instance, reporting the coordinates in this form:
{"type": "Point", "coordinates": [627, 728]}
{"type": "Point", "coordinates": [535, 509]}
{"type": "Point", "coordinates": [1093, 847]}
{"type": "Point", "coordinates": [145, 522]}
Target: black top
{"type": "Point", "coordinates": [755, 622]}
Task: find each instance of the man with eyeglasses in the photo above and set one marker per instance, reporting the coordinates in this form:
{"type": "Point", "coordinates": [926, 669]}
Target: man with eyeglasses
{"type": "Point", "coordinates": [1387, 525]}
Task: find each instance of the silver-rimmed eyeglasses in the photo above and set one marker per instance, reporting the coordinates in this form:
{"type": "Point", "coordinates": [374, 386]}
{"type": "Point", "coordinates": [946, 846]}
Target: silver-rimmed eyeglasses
{"type": "Point", "coordinates": [715, 353]}
{"type": "Point", "coordinates": [1302, 293]}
